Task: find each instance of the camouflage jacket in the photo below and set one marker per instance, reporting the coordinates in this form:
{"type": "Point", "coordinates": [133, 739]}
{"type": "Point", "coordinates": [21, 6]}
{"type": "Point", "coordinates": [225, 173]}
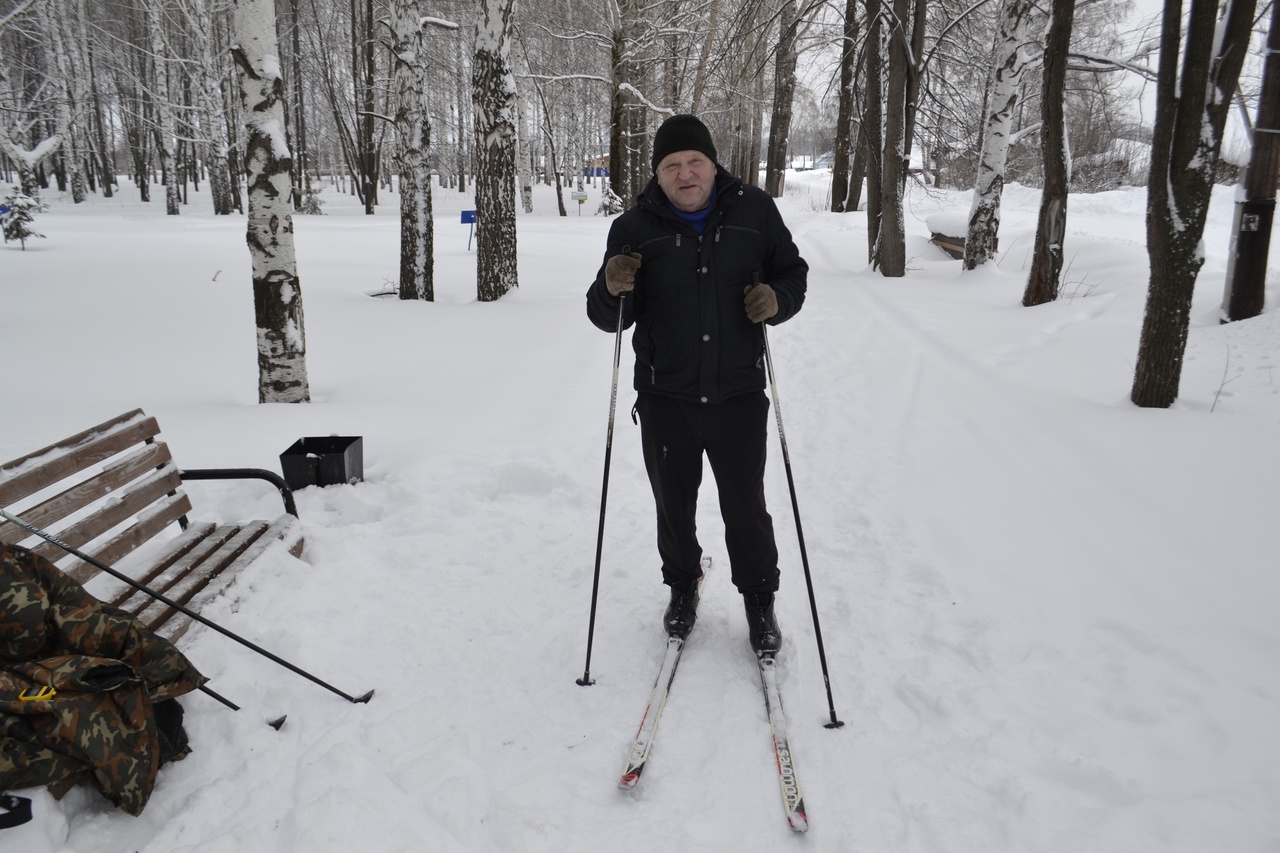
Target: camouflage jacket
{"type": "Point", "coordinates": [79, 680]}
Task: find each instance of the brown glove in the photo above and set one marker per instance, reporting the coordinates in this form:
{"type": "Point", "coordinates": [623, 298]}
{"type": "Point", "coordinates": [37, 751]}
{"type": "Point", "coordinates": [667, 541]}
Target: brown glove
{"type": "Point", "coordinates": [761, 303]}
{"type": "Point", "coordinates": [620, 273]}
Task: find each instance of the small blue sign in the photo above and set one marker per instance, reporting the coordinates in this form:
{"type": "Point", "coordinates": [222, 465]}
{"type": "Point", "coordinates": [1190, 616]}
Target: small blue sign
{"type": "Point", "coordinates": [3, 210]}
{"type": "Point", "coordinates": [469, 218]}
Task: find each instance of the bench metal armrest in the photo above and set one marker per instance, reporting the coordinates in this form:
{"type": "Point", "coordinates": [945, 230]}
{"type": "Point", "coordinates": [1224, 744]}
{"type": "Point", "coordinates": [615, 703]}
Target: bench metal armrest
{"type": "Point", "coordinates": [271, 477]}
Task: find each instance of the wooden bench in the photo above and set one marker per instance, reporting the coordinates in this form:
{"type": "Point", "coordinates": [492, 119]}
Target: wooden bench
{"type": "Point", "coordinates": [113, 489]}
{"type": "Point", "coordinates": [954, 246]}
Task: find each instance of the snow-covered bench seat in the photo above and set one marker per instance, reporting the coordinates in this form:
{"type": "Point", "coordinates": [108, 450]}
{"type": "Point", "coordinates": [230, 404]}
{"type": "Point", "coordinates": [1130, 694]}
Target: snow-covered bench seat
{"type": "Point", "coordinates": [948, 230]}
{"type": "Point", "coordinates": [114, 490]}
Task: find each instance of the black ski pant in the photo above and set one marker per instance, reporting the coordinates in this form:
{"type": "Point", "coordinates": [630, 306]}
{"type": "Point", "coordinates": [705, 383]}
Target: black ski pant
{"type": "Point", "coordinates": [674, 434]}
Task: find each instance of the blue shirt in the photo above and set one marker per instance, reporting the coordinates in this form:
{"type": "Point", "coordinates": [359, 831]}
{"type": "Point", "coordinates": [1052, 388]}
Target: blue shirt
{"type": "Point", "coordinates": [698, 219]}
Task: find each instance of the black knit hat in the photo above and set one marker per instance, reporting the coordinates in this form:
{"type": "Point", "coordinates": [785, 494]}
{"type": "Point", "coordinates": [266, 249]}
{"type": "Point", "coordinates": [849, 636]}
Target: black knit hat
{"type": "Point", "coordinates": [682, 133]}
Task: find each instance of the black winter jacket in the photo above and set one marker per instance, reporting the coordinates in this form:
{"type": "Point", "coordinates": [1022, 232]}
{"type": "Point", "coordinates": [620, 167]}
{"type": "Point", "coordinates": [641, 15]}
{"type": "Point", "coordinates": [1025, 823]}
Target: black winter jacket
{"type": "Point", "coordinates": [692, 337]}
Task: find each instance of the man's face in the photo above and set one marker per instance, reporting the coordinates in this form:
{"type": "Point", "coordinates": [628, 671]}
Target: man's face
{"type": "Point", "coordinates": [687, 177]}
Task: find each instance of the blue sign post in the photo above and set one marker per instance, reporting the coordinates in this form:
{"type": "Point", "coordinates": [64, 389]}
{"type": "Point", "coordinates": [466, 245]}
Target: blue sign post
{"type": "Point", "coordinates": [469, 218]}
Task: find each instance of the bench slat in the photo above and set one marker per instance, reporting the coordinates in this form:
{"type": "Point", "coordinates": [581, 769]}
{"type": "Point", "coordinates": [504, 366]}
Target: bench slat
{"type": "Point", "coordinates": [199, 575]}
{"type": "Point", "coordinates": [197, 543]}
{"type": "Point", "coordinates": [39, 470]}
{"type": "Point", "coordinates": [117, 593]}
{"type": "Point", "coordinates": [66, 503]}
{"type": "Point", "coordinates": [285, 529]}
{"type": "Point", "coordinates": [128, 540]}
{"type": "Point", "coordinates": [113, 512]}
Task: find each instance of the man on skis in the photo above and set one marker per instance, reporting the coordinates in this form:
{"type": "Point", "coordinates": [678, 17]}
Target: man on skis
{"type": "Point", "coordinates": [702, 261]}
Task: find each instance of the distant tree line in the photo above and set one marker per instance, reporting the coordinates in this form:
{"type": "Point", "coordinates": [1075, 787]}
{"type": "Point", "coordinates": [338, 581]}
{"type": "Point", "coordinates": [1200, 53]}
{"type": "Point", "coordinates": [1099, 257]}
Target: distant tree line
{"type": "Point", "coordinates": [482, 96]}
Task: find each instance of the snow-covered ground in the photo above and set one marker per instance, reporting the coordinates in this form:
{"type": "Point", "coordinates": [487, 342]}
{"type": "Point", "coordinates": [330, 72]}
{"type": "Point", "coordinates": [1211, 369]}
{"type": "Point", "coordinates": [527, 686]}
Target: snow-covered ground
{"type": "Point", "coordinates": [1050, 616]}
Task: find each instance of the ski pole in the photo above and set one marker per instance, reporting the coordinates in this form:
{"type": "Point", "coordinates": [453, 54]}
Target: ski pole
{"type": "Point", "coordinates": [586, 679]}
{"type": "Point", "coordinates": [795, 509]}
{"type": "Point", "coordinates": [48, 537]}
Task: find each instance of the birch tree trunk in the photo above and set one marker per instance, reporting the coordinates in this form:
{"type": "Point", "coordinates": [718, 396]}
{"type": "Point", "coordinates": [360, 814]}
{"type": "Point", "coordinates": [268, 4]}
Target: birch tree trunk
{"type": "Point", "coordinates": [551, 148]}
{"type": "Point", "coordinates": [526, 177]}
{"type": "Point", "coordinates": [413, 142]}
{"type": "Point", "coordinates": [1015, 53]}
{"type": "Point", "coordinates": [277, 293]}
{"type": "Point", "coordinates": [26, 161]}
{"type": "Point", "coordinates": [915, 75]}
{"type": "Point", "coordinates": [1191, 111]}
{"type": "Point", "coordinates": [891, 249]}
{"type": "Point", "coordinates": [164, 112]}
{"type": "Point", "coordinates": [207, 80]}
{"type": "Point", "coordinates": [460, 92]}
{"type": "Point", "coordinates": [69, 105]}
{"type": "Point", "coordinates": [364, 73]}
{"type": "Point", "coordinates": [700, 78]}
{"type": "Point", "coordinates": [102, 156]}
{"type": "Point", "coordinates": [106, 161]}
{"type": "Point", "coordinates": [1246, 287]}
{"type": "Point", "coordinates": [873, 126]}
{"type": "Point", "coordinates": [1051, 228]}
{"type": "Point", "coordinates": [840, 177]}
{"type": "Point", "coordinates": [494, 94]}
{"type": "Point", "coordinates": [628, 173]}
{"type": "Point", "coordinates": [784, 91]}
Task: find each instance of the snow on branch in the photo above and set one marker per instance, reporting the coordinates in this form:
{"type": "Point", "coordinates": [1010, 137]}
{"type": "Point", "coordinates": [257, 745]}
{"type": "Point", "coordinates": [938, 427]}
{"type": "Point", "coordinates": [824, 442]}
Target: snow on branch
{"type": "Point", "coordinates": [439, 23]}
{"type": "Point", "coordinates": [33, 158]}
{"type": "Point", "coordinates": [377, 115]}
{"type": "Point", "coordinates": [581, 34]}
{"type": "Point", "coordinates": [627, 87]}
{"type": "Point", "coordinates": [560, 78]}
{"type": "Point", "coordinates": [1023, 133]}
{"type": "Point", "coordinates": [1104, 64]}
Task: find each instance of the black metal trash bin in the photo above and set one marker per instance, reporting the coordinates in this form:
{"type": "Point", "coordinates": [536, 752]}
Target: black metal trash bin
{"type": "Point", "coordinates": [329, 460]}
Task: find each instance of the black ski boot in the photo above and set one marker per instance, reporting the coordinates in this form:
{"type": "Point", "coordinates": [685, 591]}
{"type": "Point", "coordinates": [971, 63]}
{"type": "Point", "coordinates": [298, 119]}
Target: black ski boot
{"type": "Point", "coordinates": [762, 626]}
{"type": "Point", "coordinates": [682, 612]}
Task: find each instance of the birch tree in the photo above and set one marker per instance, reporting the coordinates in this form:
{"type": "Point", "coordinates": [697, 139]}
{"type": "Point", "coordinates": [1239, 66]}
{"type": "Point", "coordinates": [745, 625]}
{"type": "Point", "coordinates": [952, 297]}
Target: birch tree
{"type": "Point", "coordinates": [277, 292]}
{"type": "Point", "coordinates": [1017, 52]}
{"type": "Point", "coordinates": [627, 129]}
{"type": "Point", "coordinates": [104, 154]}
{"type": "Point", "coordinates": [1245, 293]}
{"type": "Point", "coordinates": [890, 254]}
{"type": "Point", "coordinates": [25, 160]}
{"type": "Point", "coordinates": [21, 113]}
{"type": "Point", "coordinates": [841, 179]}
{"type": "Point", "coordinates": [205, 72]}
{"type": "Point", "coordinates": [873, 123]}
{"type": "Point", "coordinates": [413, 143]}
{"type": "Point", "coordinates": [1051, 225]}
{"type": "Point", "coordinates": [70, 81]}
{"type": "Point", "coordinates": [1192, 103]}
{"type": "Point", "coordinates": [164, 131]}
{"type": "Point", "coordinates": [365, 65]}
{"type": "Point", "coordinates": [784, 90]}
{"type": "Point", "coordinates": [738, 147]}
{"type": "Point", "coordinates": [494, 95]}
